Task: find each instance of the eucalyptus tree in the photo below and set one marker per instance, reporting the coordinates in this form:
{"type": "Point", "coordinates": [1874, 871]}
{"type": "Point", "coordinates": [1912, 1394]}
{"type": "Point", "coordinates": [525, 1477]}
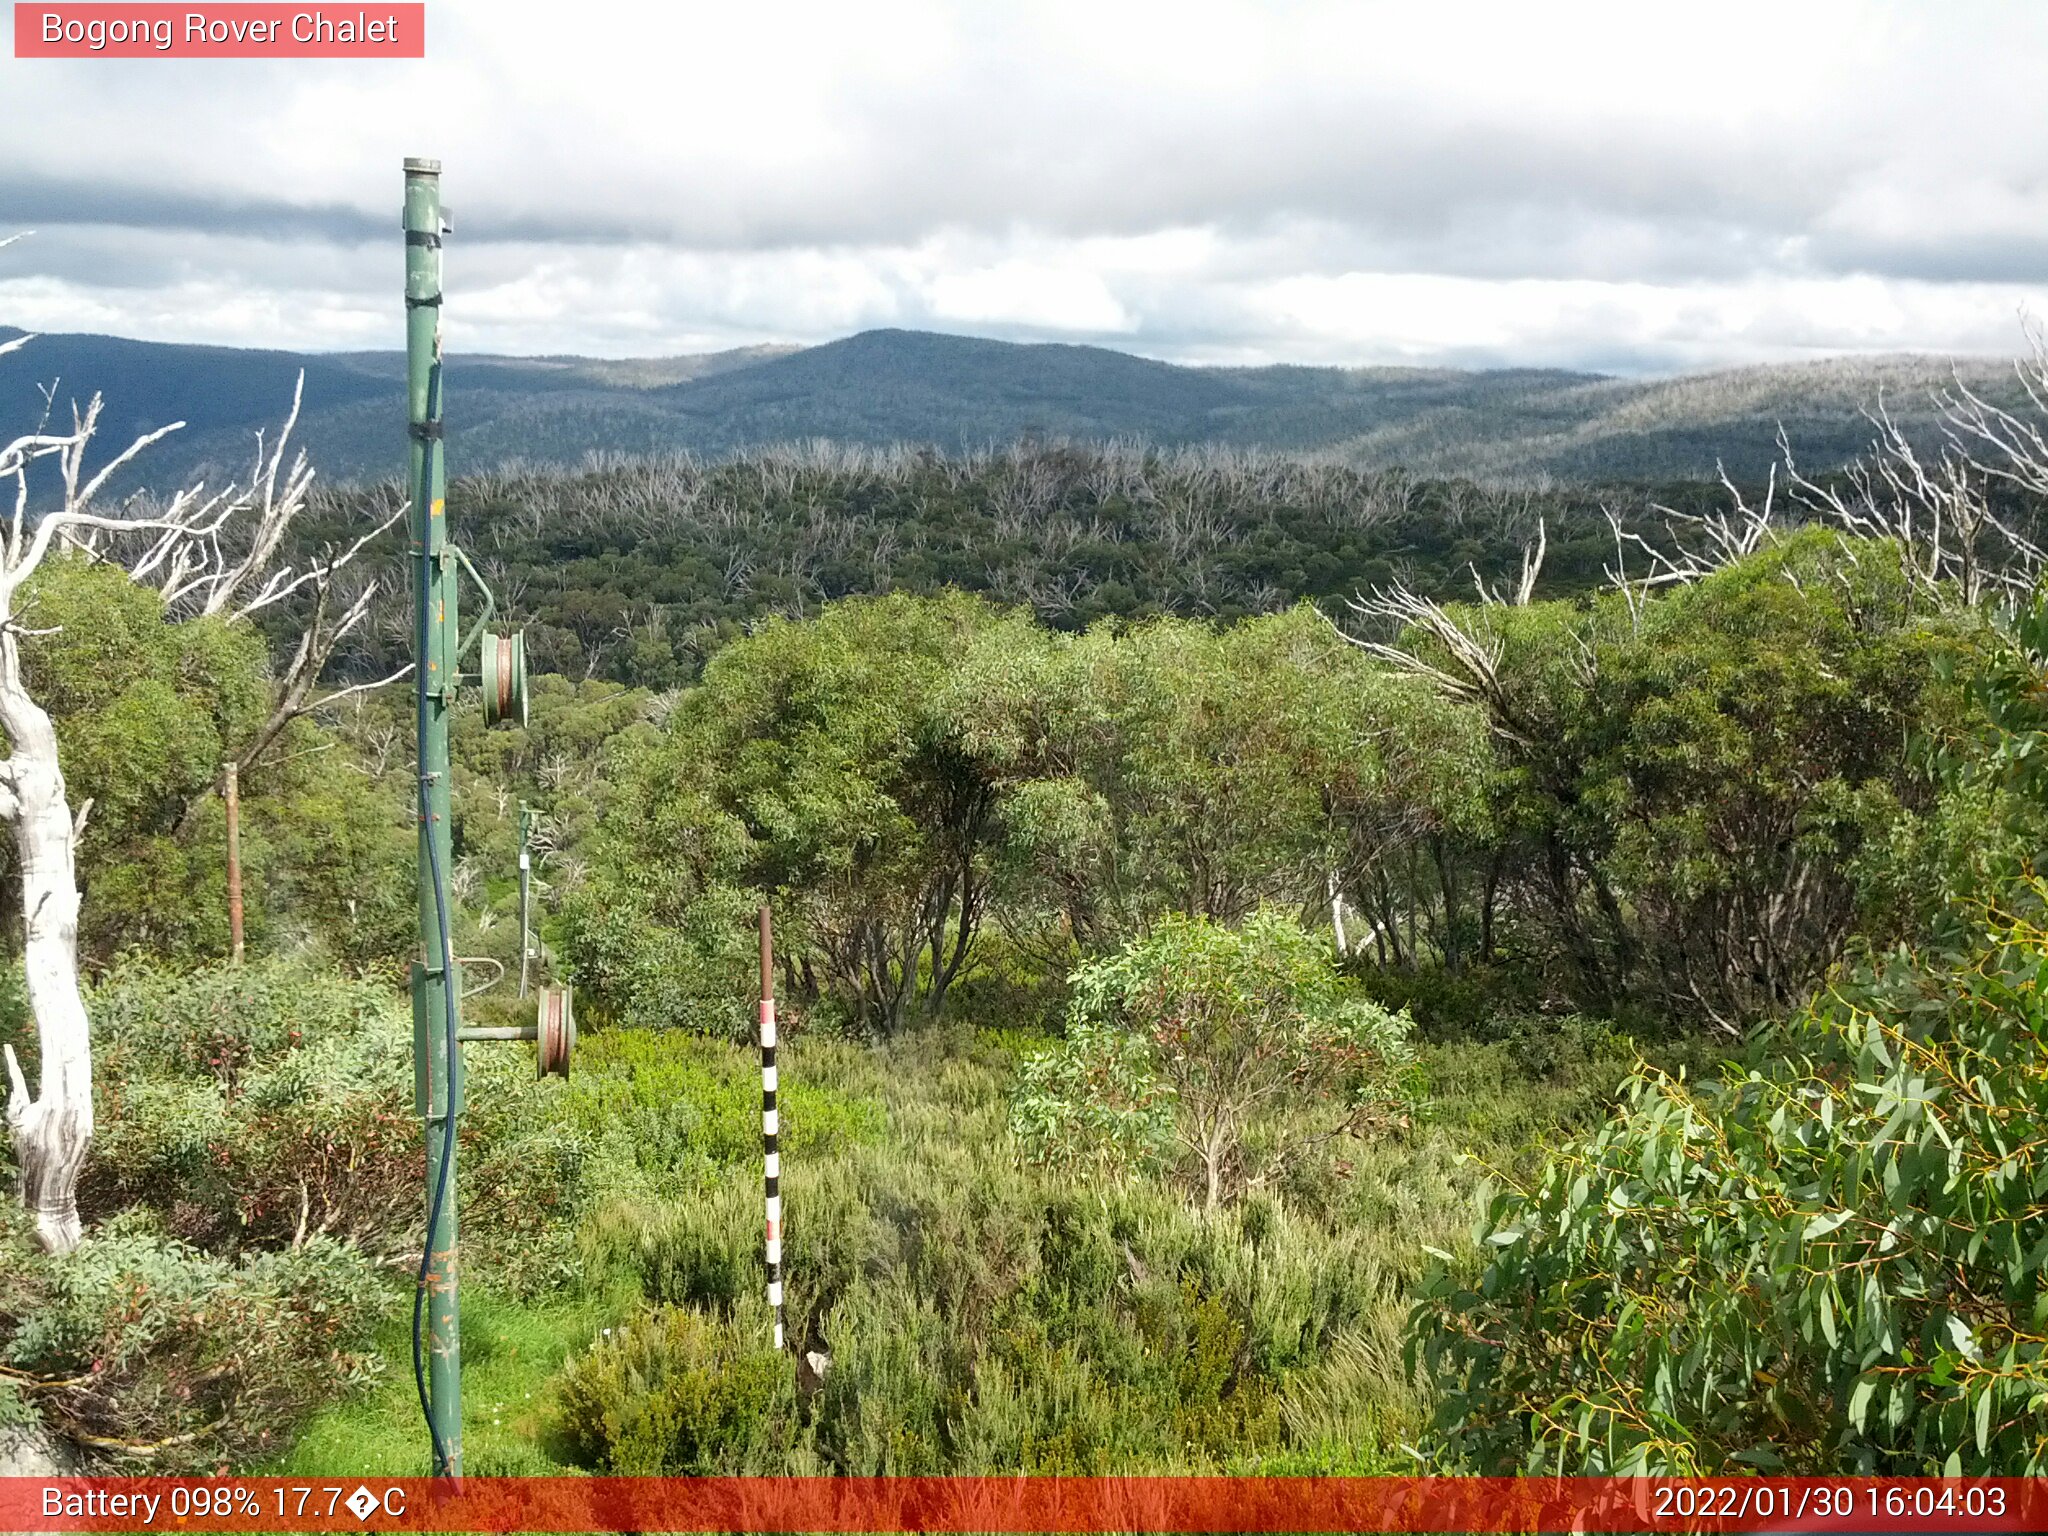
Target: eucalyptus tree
{"type": "Point", "coordinates": [822, 765]}
{"type": "Point", "coordinates": [1697, 765]}
{"type": "Point", "coordinates": [1224, 1051]}
{"type": "Point", "coordinates": [1174, 766]}
{"type": "Point", "coordinates": [1827, 1260]}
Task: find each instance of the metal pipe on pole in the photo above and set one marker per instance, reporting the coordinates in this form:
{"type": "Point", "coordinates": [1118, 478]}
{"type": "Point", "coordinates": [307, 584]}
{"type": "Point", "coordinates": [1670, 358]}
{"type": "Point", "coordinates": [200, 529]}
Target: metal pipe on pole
{"type": "Point", "coordinates": [436, 986]}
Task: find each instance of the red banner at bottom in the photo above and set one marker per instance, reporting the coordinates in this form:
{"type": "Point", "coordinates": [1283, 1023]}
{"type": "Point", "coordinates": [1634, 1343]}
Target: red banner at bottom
{"type": "Point", "coordinates": [1027, 1504]}
{"type": "Point", "coordinates": [1015, 1504]}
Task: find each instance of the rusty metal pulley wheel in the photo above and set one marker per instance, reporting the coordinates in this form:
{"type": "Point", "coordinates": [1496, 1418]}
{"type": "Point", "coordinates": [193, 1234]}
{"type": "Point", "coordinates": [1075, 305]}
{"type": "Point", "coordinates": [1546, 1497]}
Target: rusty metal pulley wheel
{"type": "Point", "coordinates": [503, 667]}
{"type": "Point", "coordinates": [555, 1037]}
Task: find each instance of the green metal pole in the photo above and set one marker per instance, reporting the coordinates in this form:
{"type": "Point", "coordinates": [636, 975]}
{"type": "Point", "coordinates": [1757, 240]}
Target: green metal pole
{"type": "Point", "coordinates": [437, 1068]}
{"type": "Point", "coordinates": [525, 888]}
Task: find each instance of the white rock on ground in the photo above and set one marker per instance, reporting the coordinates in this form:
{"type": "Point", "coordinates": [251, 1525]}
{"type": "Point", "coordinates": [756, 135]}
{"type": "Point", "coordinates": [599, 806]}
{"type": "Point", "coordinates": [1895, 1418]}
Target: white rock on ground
{"type": "Point", "coordinates": [25, 1451]}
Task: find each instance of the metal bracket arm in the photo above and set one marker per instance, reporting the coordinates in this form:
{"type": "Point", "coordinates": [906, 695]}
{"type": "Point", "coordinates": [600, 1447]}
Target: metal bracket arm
{"type": "Point", "coordinates": [468, 642]}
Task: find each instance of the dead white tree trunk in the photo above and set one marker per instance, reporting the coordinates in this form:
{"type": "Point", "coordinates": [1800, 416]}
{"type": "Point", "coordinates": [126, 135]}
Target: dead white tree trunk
{"type": "Point", "coordinates": [52, 1130]}
{"type": "Point", "coordinates": [206, 554]}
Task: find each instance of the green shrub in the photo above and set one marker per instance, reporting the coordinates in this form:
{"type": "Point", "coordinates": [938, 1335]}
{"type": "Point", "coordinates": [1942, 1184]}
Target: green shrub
{"type": "Point", "coordinates": [15, 1407]}
{"type": "Point", "coordinates": [152, 1350]}
{"type": "Point", "coordinates": [703, 1252]}
{"type": "Point", "coordinates": [256, 1106]}
{"type": "Point", "coordinates": [985, 1315]}
{"type": "Point", "coordinates": [1830, 1260]}
{"type": "Point", "coordinates": [1095, 1098]}
{"type": "Point", "coordinates": [680, 1105]}
{"type": "Point", "coordinates": [1222, 1406]}
{"type": "Point", "coordinates": [1215, 1043]}
{"type": "Point", "coordinates": [1568, 1050]}
{"type": "Point", "coordinates": [529, 1171]}
{"type": "Point", "coordinates": [645, 955]}
{"type": "Point", "coordinates": [675, 1394]}
{"type": "Point", "coordinates": [1009, 993]}
{"type": "Point", "coordinates": [1059, 1332]}
{"type": "Point", "coordinates": [1939, 868]}
{"type": "Point", "coordinates": [150, 1021]}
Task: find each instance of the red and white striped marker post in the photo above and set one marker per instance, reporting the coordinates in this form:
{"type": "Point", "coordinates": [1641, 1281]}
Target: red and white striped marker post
{"type": "Point", "coordinates": [771, 1154]}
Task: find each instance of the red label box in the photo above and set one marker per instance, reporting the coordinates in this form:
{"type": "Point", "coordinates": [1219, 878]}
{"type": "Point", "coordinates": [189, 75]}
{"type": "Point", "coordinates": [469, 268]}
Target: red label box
{"type": "Point", "coordinates": [241, 31]}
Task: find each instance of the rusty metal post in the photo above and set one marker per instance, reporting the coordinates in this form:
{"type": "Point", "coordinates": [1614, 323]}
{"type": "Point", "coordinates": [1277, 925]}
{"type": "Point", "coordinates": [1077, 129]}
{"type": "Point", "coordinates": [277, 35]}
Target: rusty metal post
{"type": "Point", "coordinates": [231, 791]}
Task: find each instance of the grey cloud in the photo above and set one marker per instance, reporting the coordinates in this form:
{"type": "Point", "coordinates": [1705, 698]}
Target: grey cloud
{"type": "Point", "coordinates": [590, 229]}
{"type": "Point", "coordinates": [1936, 256]}
{"type": "Point", "coordinates": [1420, 192]}
{"type": "Point", "coordinates": [29, 199]}
{"type": "Point", "coordinates": [1475, 233]}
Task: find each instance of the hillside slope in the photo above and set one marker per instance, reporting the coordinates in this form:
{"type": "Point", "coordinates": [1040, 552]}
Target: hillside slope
{"type": "Point", "coordinates": [961, 393]}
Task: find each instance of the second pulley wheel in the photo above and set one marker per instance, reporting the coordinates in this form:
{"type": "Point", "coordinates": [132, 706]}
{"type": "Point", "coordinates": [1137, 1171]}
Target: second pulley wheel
{"type": "Point", "coordinates": [503, 665]}
{"type": "Point", "coordinates": [555, 1039]}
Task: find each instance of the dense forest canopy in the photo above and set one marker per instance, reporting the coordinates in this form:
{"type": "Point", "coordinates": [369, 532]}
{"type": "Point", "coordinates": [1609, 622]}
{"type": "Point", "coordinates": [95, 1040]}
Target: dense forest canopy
{"type": "Point", "coordinates": [638, 570]}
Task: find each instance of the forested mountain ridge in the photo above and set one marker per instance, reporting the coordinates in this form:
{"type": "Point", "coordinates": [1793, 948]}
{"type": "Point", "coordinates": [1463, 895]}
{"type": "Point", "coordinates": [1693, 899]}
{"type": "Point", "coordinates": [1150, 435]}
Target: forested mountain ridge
{"type": "Point", "coordinates": [960, 393]}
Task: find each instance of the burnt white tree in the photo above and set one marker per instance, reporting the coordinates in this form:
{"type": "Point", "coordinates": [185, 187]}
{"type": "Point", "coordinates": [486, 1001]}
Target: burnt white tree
{"type": "Point", "coordinates": [207, 553]}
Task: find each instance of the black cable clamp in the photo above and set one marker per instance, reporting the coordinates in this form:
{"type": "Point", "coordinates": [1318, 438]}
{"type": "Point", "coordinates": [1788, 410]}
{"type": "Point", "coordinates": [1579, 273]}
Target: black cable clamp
{"type": "Point", "coordinates": [424, 431]}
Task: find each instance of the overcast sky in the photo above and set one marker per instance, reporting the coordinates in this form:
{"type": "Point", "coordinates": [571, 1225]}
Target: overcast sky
{"type": "Point", "coordinates": [1630, 188]}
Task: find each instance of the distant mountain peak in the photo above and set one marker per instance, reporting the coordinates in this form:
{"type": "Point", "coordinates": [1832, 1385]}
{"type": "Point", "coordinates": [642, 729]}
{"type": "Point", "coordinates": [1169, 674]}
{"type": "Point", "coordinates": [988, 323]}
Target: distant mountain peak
{"type": "Point", "coordinates": [890, 385]}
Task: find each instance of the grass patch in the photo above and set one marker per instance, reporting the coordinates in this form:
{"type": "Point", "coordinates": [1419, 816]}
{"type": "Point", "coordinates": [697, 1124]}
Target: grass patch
{"type": "Point", "coordinates": [511, 1351]}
